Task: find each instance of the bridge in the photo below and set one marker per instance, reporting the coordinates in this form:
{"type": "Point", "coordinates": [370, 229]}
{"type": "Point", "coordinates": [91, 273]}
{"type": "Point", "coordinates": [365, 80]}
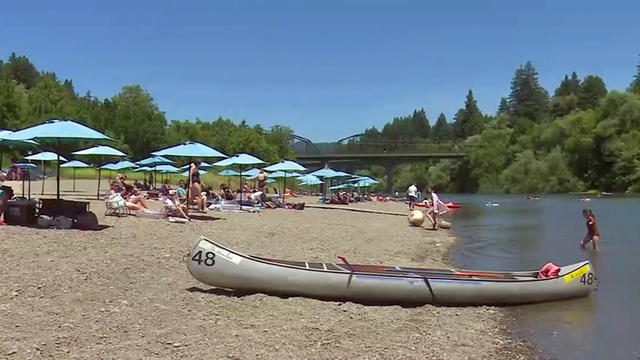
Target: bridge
{"type": "Point", "coordinates": [313, 157]}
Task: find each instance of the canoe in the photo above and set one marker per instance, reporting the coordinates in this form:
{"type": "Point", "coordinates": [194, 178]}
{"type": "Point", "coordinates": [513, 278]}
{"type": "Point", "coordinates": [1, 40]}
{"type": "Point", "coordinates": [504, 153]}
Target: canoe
{"type": "Point", "coordinates": [216, 265]}
{"type": "Point", "coordinates": [450, 205]}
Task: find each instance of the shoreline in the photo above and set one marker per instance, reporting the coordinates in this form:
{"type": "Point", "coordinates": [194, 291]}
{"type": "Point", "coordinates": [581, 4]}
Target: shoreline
{"type": "Point", "coordinates": [125, 291]}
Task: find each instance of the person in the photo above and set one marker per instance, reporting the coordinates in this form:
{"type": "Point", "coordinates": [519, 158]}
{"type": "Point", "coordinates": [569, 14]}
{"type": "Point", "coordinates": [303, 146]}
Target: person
{"type": "Point", "coordinates": [182, 189]}
{"type": "Point", "coordinates": [437, 208]}
{"type": "Point", "coordinates": [166, 187]}
{"type": "Point", "coordinates": [412, 195]}
{"type": "Point", "coordinates": [4, 199]}
{"type": "Point", "coordinates": [593, 234]}
{"type": "Point", "coordinates": [150, 181]}
{"type": "Point", "coordinates": [131, 196]}
{"type": "Point", "coordinates": [262, 180]}
{"type": "Point", "coordinates": [172, 204]}
{"type": "Point", "coordinates": [195, 191]}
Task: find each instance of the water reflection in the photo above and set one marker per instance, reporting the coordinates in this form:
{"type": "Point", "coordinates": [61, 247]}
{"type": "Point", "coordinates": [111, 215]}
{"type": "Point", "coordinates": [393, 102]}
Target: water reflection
{"type": "Point", "coordinates": [525, 234]}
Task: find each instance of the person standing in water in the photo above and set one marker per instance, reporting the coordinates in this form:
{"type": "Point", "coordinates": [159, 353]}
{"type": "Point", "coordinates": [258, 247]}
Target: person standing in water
{"type": "Point", "coordinates": [412, 195]}
{"type": "Point", "coordinates": [593, 234]}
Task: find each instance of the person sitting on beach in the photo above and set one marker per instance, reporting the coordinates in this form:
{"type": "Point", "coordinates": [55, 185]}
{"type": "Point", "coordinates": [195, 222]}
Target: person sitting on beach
{"type": "Point", "coordinates": [593, 234]}
{"type": "Point", "coordinates": [131, 196]}
{"type": "Point", "coordinates": [173, 206]}
{"type": "Point", "coordinates": [166, 187]}
{"type": "Point", "coordinates": [262, 180]}
{"type": "Point", "coordinates": [226, 193]}
{"type": "Point", "coordinates": [115, 196]}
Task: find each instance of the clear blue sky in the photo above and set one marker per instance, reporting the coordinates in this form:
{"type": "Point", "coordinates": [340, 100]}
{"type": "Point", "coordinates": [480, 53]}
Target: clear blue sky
{"type": "Point", "coordinates": [329, 68]}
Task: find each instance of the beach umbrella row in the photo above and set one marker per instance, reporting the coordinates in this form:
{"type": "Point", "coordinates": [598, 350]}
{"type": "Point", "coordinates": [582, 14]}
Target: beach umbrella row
{"type": "Point", "coordinates": [44, 156]}
{"type": "Point", "coordinates": [74, 164]}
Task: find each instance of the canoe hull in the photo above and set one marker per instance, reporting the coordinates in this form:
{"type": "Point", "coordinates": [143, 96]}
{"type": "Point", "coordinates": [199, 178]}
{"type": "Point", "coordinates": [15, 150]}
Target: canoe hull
{"type": "Point", "coordinates": [232, 270]}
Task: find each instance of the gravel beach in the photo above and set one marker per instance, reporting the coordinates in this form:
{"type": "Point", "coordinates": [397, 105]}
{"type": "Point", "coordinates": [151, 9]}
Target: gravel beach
{"type": "Point", "coordinates": [124, 292]}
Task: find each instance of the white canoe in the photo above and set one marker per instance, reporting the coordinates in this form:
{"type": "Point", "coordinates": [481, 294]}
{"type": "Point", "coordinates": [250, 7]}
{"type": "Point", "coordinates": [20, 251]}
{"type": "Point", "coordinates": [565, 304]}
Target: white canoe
{"type": "Point", "coordinates": [215, 265]}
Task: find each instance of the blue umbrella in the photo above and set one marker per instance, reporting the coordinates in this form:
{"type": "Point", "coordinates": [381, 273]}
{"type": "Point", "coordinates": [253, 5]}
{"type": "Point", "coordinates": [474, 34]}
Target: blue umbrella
{"type": "Point", "coordinates": [143, 168]}
{"type": "Point", "coordinates": [57, 130]}
{"type": "Point", "coordinates": [74, 164]}
{"type": "Point", "coordinates": [4, 141]}
{"type": "Point", "coordinates": [285, 166]}
{"type": "Point", "coordinates": [251, 173]}
{"type": "Point", "coordinates": [240, 160]}
{"type": "Point", "coordinates": [167, 168]}
{"type": "Point", "coordinates": [44, 156]}
{"type": "Point", "coordinates": [229, 172]}
{"type": "Point", "coordinates": [190, 150]}
{"type": "Point", "coordinates": [124, 165]}
{"type": "Point", "coordinates": [100, 150]}
{"type": "Point", "coordinates": [282, 174]}
{"type": "Point", "coordinates": [155, 160]}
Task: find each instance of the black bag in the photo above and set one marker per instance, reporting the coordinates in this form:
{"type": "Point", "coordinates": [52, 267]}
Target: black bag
{"type": "Point", "coordinates": [87, 221]}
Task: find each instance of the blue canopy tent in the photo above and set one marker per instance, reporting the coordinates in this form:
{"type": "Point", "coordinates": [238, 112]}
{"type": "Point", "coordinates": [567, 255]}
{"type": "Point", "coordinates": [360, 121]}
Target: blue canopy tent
{"type": "Point", "coordinates": [101, 151]}
{"type": "Point", "coordinates": [74, 164]}
{"type": "Point", "coordinates": [44, 156]}
{"type": "Point", "coordinates": [55, 131]}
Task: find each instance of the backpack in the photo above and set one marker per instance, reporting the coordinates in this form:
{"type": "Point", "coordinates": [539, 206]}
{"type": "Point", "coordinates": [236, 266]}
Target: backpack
{"type": "Point", "coordinates": [87, 221]}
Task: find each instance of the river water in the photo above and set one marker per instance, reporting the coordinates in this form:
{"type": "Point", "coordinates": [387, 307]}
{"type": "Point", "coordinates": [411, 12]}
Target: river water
{"type": "Point", "coordinates": [525, 234]}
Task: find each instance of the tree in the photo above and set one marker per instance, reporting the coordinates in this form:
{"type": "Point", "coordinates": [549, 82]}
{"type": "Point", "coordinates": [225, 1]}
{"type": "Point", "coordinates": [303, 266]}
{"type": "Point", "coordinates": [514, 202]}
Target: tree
{"type": "Point", "coordinates": [22, 70]}
{"type": "Point", "coordinates": [420, 124]}
{"type": "Point", "coordinates": [592, 90]}
{"type": "Point", "coordinates": [441, 131]}
{"type": "Point", "coordinates": [503, 108]}
{"type": "Point", "coordinates": [568, 86]}
{"type": "Point", "coordinates": [528, 98]}
{"type": "Point", "coordinates": [635, 84]}
{"type": "Point", "coordinates": [468, 120]}
{"type": "Point", "coordinates": [138, 120]}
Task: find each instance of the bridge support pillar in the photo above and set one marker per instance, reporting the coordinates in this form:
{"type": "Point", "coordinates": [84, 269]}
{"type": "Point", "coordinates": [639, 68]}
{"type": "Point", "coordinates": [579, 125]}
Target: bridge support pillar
{"type": "Point", "coordinates": [389, 170]}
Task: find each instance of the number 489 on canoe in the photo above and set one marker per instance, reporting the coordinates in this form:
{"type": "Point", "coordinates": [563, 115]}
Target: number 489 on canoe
{"type": "Point", "coordinates": [209, 258]}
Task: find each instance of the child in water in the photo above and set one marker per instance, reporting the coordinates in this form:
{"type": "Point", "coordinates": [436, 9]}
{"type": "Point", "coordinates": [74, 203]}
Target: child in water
{"type": "Point", "coordinates": [593, 234]}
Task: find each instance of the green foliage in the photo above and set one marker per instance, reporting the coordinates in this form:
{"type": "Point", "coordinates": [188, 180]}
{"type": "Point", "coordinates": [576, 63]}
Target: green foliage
{"type": "Point", "coordinates": [635, 84]}
{"type": "Point", "coordinates": [441, 131]}
{"type": "Point", "coordinates": [528, 99]}
{"type": "Point", "coordinates": [131, 117]}
{"type": "Point", "coordinates": [468, 120]}
{"type": "Point", "coordinates": [592, 89]}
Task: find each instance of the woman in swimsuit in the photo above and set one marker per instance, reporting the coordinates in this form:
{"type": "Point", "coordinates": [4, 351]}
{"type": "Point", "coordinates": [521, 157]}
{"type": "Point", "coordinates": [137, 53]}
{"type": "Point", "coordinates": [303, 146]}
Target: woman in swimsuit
{"type": "Point", "coordinates": [593, 234]}
{"type": "Point", "coordinates": [195, 192]}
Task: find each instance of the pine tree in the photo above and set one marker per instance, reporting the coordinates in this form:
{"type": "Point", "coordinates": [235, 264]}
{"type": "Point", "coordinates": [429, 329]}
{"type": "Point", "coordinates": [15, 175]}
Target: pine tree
{"type": "Point", "coordinates": [503, 108]}
{"type": "Point", "coordinates": [528, 98]}
{"type": "Point", "coordinates": [592, 90]}
{"type": "Point", "coordinates": [469, 120]}
{"type": "Point", "coordinates": [635, 84]}
{"type": "Point", "coordinates": [441, 130]}
{"type": "Point", "coordinates": [568, 86]}
{"type": "Point", "coordinates": [420, 124]}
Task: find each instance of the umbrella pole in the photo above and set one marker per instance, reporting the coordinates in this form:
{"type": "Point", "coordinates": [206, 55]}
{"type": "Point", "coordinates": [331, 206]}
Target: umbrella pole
{"type": "Point", "coordinates": [57, 178]}
{"type": "Point", "coordinates": [188, 182]}
{"type": "Point", "coordinates": [98, 193]}
{"type": "Point", "coordinates": [284, 187]}
{"type": "Point", "coordinates": [241, 188]}
{"type": "Point", "coordinates": [74, 179]}
{"type": "Point", "coordinates": [44, 173]}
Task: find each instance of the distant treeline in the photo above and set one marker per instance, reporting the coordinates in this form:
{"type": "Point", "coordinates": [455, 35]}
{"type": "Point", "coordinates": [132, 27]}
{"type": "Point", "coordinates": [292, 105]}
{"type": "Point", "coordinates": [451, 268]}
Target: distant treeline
{"type": "Point", "coordinates": [581, 137]}
{"type": "Point", "coordinates": [29, 96]}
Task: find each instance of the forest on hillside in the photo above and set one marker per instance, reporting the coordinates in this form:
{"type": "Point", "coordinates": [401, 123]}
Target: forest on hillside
{"type": "Point", "coordinates": [580, 137]}
{"type": "Point", "coordinates": [29, 96]}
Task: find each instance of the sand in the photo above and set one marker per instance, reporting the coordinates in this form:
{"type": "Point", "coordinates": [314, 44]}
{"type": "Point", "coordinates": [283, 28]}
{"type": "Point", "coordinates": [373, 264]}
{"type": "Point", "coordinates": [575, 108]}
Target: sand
{"type": "Point", "coordinates": [125, 293]}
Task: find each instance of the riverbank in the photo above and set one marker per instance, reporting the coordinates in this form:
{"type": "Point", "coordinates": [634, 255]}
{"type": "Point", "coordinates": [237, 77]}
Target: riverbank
{"type": "Point", "coordinates": [124, 292]}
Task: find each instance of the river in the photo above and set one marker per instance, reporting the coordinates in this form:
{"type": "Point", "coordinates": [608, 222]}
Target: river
{"type": "Point", "coordinates": [525, 234]}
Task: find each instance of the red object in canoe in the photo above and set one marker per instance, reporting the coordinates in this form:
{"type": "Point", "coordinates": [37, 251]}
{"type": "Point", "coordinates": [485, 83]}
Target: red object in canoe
{"type": "Point", "coordinates": [452, 205]}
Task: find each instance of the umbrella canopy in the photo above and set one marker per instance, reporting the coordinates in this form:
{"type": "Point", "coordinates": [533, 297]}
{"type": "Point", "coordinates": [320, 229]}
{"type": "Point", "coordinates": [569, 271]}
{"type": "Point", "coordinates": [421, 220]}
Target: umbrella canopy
{"type": "Point", "coordinates": [46, 156]}
{"type": "Point", "coordinates": [100, 150]}
{"type": "Point", "coordinates": [143, 168]}
{"type": "Point", "coordinates": [285, 165]}
{"type": "Point", "coordinates": [281, 174]}
{"type": "Point", "coordinates": [166, 168]}
{"type": "Point", "coordinates": [123, 165]}
{"type": "Point", "coordinates": [251, 172]}
{"type": "Point", "coordinates": [58, 129]}
{"type": "Point", "coordinates": [75, 164]}
{"type": "Point", "coordinates": [155, 160]}
{"type": "Point", "coordinates": [229, 172]}
{"type": "Point", "coordinates": [5, 137]}
{"type": "Point", "coordinates": [191, 150]}
{"type": "Point", "coordinates": [108, 166]}
{"type": "Point", "coordinates": [338, 187]}
{"type": "Point", "coordinates": [239, 159]}
{"type": "Point", "coordinates": [309, 180]}
{"type": "Point", "coordinates": [326, 173]}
